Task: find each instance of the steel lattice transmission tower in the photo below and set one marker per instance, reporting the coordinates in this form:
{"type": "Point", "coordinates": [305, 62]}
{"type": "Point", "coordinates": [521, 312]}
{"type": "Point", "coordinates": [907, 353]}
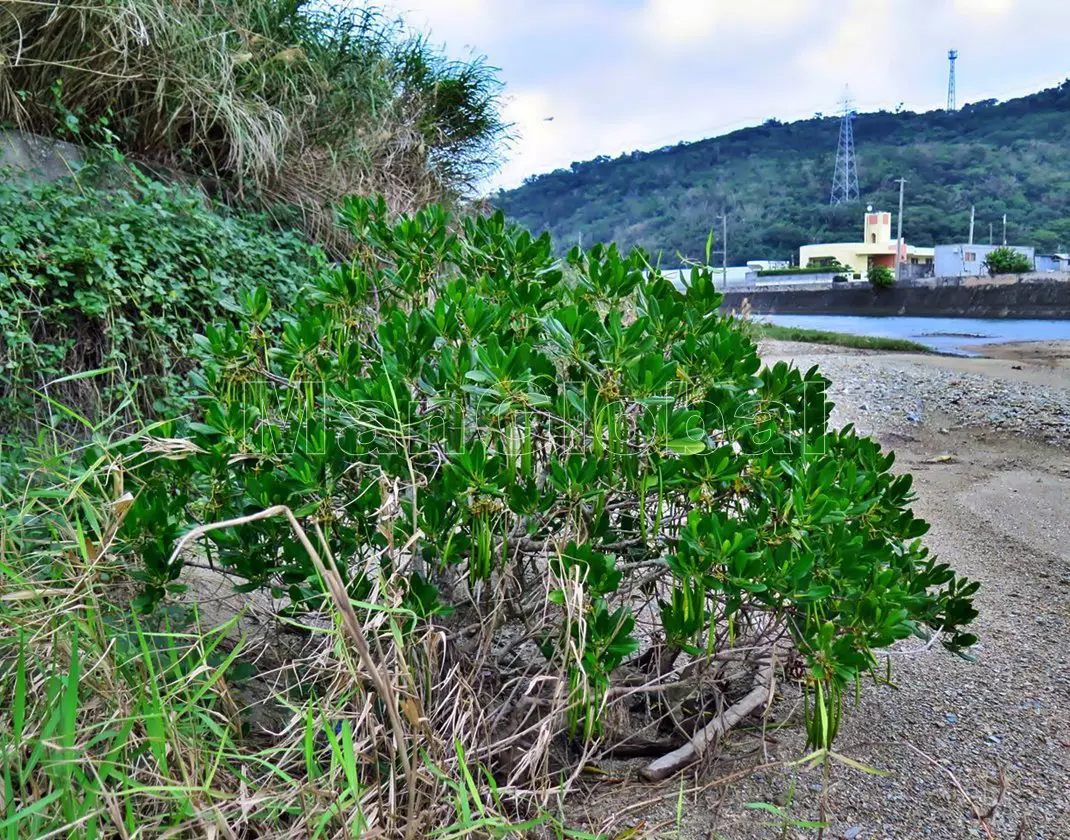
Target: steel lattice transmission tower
{"type": "Point", "coordinates": [845, 178]}
{"type": "Point", "coordinates": [951, 56]}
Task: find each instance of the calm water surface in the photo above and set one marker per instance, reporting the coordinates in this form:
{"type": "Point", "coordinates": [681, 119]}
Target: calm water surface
{"type": "Point", "coordinates": [963, 336]}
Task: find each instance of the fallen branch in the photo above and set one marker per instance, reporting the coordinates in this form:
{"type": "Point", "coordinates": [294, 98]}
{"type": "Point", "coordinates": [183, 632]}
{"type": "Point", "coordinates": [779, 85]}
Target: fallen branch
{"type": "Point", "coordinates": [716, 729]}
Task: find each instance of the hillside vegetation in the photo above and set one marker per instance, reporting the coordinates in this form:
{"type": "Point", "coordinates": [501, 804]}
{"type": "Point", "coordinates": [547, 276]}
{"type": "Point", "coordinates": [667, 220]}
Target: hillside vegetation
{"type": "Point", "coordinates": [102, 291]}
{"type": "Point", "coordinates": [279, 102]}
{"type": "Point", "coordinates": [774, 180]}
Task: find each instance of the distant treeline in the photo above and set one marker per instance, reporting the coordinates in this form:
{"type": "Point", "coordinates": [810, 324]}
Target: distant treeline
{"type": "Point", "coordinates": [774, 180]}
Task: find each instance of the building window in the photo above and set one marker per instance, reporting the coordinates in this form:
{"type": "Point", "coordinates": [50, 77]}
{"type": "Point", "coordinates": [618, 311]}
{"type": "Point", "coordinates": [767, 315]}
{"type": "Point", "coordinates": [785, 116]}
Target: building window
{"type": "Point", "coordinates": [969, 256]}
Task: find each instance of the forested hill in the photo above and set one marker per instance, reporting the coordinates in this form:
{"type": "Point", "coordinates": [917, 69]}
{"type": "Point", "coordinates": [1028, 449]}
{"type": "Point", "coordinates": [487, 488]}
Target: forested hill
{"type": "Point", "coordinates": [774, 181]}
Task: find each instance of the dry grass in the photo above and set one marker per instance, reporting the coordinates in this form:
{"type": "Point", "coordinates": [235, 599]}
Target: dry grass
{"type": "Point", "coordinates": [281, 102]}
{"type": "Point", "coordinates": [125, 726]}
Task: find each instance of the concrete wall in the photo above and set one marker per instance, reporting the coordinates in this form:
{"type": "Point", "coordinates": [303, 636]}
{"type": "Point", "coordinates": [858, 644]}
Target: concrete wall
{"type": "Point", "coordinates": [812, 280]}
{"type": "Point", "coordinates": [1029, 296]}
{"type": "Point", "coordinates": [37, 157]}
{"type": "Point", "coordinates": [42, 160]}
{"type": "Point", "coordinates": [915, 270]}
{"type": "Point", "coordinates": [736, 275]}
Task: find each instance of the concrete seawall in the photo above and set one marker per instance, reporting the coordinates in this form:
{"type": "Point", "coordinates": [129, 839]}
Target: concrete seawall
{"type": "Point", "coordinates": [1000, 298]}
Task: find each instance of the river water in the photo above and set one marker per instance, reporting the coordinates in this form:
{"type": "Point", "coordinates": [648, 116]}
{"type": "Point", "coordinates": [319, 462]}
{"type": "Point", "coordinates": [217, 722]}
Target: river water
{"type": "Point", "coordinates": [961, 336]}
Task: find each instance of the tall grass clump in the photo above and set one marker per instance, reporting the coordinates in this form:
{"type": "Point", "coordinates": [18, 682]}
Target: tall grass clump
{"type": "Point", "coordinates": [287, 102]}
{"type": "Point", "coordinates": [177, 723]}
{"type": "Point", "coordinates": [445, 529]}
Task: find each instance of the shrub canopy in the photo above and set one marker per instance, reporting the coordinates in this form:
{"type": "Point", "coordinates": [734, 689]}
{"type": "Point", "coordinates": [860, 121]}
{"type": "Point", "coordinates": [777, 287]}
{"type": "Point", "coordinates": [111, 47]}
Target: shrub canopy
{"type": "Point", "coordinates": [1006, 260]}
{"type": "Point", "coordinates": [602, 457]}
{"type": "Point", "coordinates": [881, 277]}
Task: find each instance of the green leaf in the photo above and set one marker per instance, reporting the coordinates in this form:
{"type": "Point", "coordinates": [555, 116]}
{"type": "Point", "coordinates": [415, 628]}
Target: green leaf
{"type": "Point", "coordinates": [685, 446]}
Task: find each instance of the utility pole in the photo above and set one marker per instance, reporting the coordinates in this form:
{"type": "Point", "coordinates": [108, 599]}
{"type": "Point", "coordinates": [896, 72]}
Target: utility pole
{"type": "Point", "coordinates": [989, 233]}
{"type": "Point", "coordinates": [899, 233]}
{"type": "Point", "coordinates": [1004, 228]}
{"type": "Point", "coordinates": [724, 250]}
{"type": "Point", "coordinates": [972, 209]}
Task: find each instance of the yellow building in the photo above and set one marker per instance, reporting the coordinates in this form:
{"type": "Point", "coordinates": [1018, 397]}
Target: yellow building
{"type": "Point", "coordinates": [877, 248]}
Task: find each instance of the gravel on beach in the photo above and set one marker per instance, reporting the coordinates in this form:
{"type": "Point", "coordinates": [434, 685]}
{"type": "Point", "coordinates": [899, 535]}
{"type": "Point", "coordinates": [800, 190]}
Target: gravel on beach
{"type": "Point", "coordinates": [878, 392]}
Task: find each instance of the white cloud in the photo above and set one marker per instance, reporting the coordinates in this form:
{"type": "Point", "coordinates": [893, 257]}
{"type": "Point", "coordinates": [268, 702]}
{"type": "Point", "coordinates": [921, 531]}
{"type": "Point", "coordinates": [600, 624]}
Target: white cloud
{"type": "Point", "coordinates": [859, 50]}
{"type": "Point", "coordinates": [554, 130]}
{"type": "Point", "coordinates": [670, 24]}
{"type": "Point", "coordinates": [480, 24]}
{"type": "Point", "coordinates": [538, 144]}
{"type": "Point", "coordinates": [984, 8]}
{"type": "Point", "coordinates": [458, 23]}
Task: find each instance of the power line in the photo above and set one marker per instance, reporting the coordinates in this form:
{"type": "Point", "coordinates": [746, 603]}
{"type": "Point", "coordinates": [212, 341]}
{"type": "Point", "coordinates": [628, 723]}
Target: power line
{"type": "Point", "coordinates": [845, 175]}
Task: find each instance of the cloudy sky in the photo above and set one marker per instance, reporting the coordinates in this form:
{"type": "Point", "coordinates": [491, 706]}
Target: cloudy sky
{"type": "Point", "coordinates": [619, 75]}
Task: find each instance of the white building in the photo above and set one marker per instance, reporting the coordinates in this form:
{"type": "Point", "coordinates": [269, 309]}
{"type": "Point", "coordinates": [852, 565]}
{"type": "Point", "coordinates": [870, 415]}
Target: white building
{"type": "Point", "coordinates": [737, 275]}
{"type": "Point", "coordinates": [965, 260]}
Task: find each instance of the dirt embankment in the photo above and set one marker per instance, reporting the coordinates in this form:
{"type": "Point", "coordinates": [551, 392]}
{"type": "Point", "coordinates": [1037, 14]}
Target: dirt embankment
{"type": "Point", "coordinates": [988, 441]}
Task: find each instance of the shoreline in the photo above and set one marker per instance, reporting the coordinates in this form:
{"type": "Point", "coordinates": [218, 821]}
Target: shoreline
{"type": "Point", "coordinates": [1040, 351]}
{"type": "Point", "coordinates": [1018, 388]}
